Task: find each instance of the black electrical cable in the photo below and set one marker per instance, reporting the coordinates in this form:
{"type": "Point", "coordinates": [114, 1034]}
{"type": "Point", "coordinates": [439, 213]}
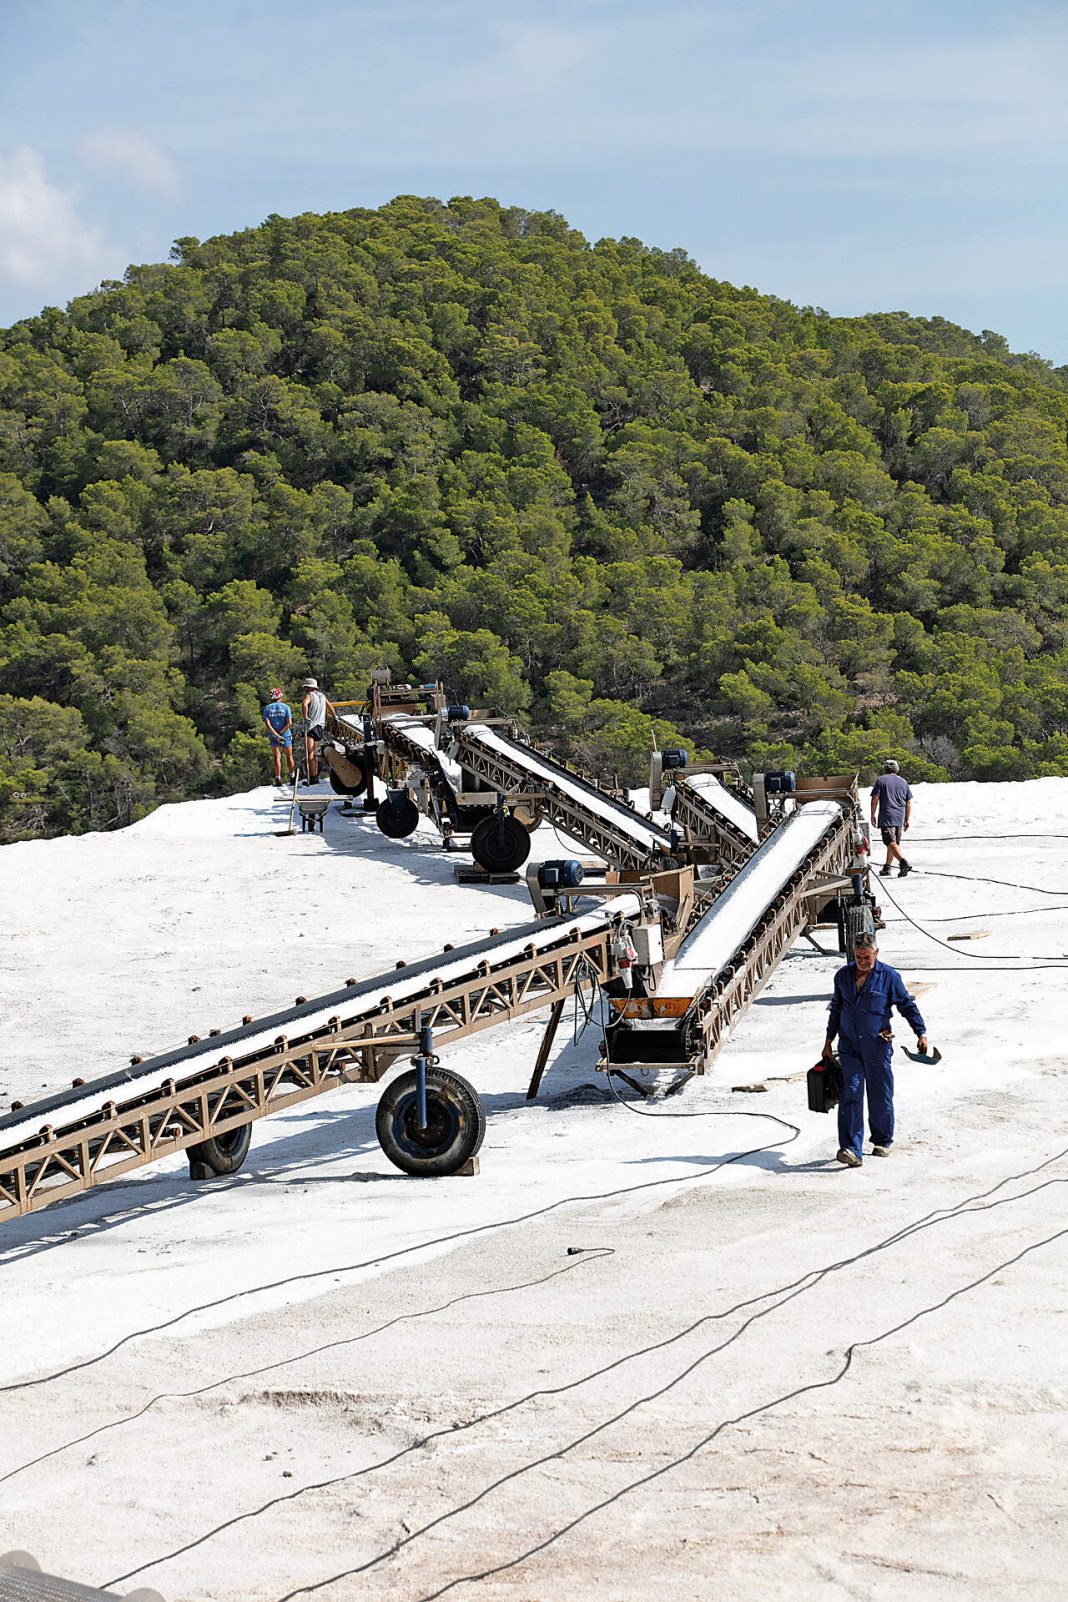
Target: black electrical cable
{"type": "Point", "coordinates": [978, 1203]}
{"type": "Point", "coordinates": [977, 973]}
{"type": "Point", "coordinates": [706, 1440]}
{"type": "Point", "coordinates": [581, 1258]}
{"type": "Point", "coordinates": [966, 839]}
{"type": "Point", "coordinates": [981, 878]}
{"type": "Point", "coordinates": [403, 1251]}
{"type": "Point", "coordinates": [785, 1294]}
{"type": "Point", "coordinates": [975, 956]}
{"type": "Point", "coordinates": [1013, 912]}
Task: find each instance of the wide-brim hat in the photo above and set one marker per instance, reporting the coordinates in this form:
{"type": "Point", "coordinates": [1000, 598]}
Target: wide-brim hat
{"type": "Point", "coordinates": [310, 684]}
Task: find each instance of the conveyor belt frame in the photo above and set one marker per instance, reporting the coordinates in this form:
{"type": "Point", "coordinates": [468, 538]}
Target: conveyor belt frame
{"type": "Point", "coordinates": [217, 1099]}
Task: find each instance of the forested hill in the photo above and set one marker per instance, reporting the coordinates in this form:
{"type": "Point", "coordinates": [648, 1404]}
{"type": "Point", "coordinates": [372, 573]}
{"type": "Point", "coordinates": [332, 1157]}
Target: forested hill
{"type": "Point", "coordinates": [582, 482]}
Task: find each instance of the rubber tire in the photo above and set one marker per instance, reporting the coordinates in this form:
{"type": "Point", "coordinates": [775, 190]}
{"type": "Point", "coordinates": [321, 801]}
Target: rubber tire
{"type": "Point", "coordinates": [223, 1154]}
{"type": "Point", "coordinates": [397, 822]}
{"type": "Point", "coordinates": [339, 787]}
{"type": "Point", "coordinates": [500, 845]}
{"type": "Point", "coordinates": [456, 1123]}
{"type": "Point", "coordinates": [856, 919]}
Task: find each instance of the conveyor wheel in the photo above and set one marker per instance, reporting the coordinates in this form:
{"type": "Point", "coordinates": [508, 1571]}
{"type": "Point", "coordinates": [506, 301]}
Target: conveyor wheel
{"type": "Point", "coordinates": [222, 1154]}
{"type": "Point", "coordinates": [397, 818]}
{"type": "Point", "coordinates": [857, 918]}
{"type": "Point", "coordinates": [347, 773]}
{"type": "Point", "coordinates": [500, 844]}
{"type": "Point", "coordinates": [455, 1123]}
{"type": "Point", "coordinates": [339, 787]}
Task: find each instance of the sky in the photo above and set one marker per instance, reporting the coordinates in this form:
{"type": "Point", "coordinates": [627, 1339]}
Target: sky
{"type": "Point", "coordinates": [837, 153]}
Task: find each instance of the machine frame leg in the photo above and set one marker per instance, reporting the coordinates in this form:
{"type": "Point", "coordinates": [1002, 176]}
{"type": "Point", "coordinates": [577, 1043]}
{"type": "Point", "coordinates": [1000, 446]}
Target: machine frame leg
{"type": "Point", "coordinates": [546, 1046]}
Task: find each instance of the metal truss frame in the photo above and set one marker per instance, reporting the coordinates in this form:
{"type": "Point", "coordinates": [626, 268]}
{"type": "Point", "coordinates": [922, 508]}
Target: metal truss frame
{"type": "Point", "coordinates": [698, 819]}
{"type": "Point", "coordinates": [233, 1091]}
{"type": "Point", "coordinates": [502, 773]}
{"type": "Point", "coordinates": [713, 1012]}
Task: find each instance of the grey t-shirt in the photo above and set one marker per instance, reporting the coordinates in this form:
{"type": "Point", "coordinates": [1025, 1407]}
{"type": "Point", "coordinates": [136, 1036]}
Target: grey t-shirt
{"type": "Point", "coordinates": [892, 791]}
{"type": "Point", "coordinates": [316, 713]}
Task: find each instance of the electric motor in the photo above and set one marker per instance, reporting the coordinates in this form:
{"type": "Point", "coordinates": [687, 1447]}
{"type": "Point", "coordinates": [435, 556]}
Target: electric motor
{"type": "Point", "coordinates": [566, 874]}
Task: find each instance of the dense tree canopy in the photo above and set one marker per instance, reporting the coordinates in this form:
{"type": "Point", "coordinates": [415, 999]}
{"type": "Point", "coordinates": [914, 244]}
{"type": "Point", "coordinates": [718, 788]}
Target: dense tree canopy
{"type": "Point", "coordinates": [581, 482]}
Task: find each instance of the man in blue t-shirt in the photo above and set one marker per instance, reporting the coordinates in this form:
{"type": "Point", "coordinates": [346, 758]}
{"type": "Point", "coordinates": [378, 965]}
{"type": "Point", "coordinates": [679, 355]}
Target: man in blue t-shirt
{"type": "Point", "coordinates": [278, 721]}
{"type": "Point", "coordinates": [891, 809]}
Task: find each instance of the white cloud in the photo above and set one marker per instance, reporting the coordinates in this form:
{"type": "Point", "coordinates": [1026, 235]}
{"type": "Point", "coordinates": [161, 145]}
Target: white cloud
{"type": "Point", "coordinates": [44, 243]}
{"type": "Point", "coordinates": [134, 157]}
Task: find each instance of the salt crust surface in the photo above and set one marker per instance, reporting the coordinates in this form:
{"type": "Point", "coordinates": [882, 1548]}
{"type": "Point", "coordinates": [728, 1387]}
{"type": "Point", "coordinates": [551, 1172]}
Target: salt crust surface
{"type": "Point", "coordinates": [933, 1469]}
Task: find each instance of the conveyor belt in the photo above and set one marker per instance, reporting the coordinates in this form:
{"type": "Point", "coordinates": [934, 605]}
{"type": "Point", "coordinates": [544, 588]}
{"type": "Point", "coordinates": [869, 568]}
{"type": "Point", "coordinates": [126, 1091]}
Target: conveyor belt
{"type": "Point", "coordinates": [414, 739]}
{"type": "Point", "coordinates": [301, 1022]}
{"type": "Point", "coordinates": [728, 956]}
{"type": "Point", "coordinates": [208, 1088]}
{"type": "Point", "coordinates": [735, 913]}
{"type": "Point", "coordinates": [575, 805]}
{"type": "Point", "coordinates": [705, 808]}
{"type": "Point", "coordinates": [483, 758]}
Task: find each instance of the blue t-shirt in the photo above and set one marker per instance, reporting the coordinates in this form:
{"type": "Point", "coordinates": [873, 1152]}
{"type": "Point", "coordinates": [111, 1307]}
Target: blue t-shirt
{"type": "Point", "coordinates": [892, 791]}
{"type": "Point", "coordinates": [277, 714]}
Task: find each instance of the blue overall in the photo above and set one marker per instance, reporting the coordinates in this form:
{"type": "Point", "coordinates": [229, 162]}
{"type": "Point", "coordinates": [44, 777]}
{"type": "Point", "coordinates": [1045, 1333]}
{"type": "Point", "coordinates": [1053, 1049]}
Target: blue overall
{"type": "Point", "coordinates": [858, 1020]}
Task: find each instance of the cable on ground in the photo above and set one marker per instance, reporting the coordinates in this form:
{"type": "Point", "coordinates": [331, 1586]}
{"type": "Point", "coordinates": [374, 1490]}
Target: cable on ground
{"type": "Point", "coordinates": [978, 1203]}
{"type": "Point", "coordinates": [788, 1293]}
{"type": "Point", "coordinates": [402, 1251]}
{"type": "Point", "coordinates": [706, 1440]}
{"type": "Point", "coordinates": [1025, 963]}
{"type": "Point", "coordinates": [981, 878]}
{"type": "Point", "coordinates": [583, 1255]}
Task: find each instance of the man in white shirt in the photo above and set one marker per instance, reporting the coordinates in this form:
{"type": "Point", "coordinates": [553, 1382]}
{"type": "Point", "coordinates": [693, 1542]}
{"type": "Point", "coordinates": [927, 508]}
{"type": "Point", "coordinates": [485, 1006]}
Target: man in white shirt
{"type": "Point", "coordinates": [315, 707]}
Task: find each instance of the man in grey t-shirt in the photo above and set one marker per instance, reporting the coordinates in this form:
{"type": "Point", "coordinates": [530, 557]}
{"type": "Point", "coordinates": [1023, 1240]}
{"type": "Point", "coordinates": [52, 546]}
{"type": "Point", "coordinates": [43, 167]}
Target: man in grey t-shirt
{"type": "Point", "coordinates": [315, 707]}
{"type": "Point", "coordinates": [891, 810]}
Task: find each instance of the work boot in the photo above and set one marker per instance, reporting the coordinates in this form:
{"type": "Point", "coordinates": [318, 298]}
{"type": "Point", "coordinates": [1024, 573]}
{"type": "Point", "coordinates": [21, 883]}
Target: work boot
{"type": "Point", "coordinates": [880, 1151]}
{"type": "Point", "coordinates": [906, 867]}
{"type": "Point", "coordinates": [849, 1158]}
{"type": "Point", "coordinates": [884, 873]}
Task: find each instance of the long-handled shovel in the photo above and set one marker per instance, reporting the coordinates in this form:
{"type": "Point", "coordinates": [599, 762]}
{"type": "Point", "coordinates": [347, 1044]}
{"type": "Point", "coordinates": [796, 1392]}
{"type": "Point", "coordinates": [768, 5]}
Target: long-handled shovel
{"type": "Point", "coordinates": [281, 833]}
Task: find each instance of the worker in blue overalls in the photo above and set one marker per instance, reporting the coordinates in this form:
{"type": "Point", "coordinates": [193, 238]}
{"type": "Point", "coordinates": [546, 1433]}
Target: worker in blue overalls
{"type": "Point", "coordinates": [865, 990]}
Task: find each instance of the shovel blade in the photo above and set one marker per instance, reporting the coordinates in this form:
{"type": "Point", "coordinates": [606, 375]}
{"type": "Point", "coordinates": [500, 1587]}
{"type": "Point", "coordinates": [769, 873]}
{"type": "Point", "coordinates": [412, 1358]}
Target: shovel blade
{"type": "Point", "coordinates": [929, 1057]}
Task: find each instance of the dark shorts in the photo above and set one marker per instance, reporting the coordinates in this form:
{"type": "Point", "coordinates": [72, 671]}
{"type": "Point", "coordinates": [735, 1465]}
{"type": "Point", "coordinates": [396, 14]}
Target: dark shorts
{"type": "Point", "coordinates": [317, 734]}
{"type": "Point", "coordinates": [891, 832]}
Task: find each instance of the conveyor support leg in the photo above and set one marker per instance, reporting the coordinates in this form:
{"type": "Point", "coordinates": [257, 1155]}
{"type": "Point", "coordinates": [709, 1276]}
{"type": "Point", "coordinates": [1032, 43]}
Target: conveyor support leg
{"type": "Point", "coordinates": [546, 1046]}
